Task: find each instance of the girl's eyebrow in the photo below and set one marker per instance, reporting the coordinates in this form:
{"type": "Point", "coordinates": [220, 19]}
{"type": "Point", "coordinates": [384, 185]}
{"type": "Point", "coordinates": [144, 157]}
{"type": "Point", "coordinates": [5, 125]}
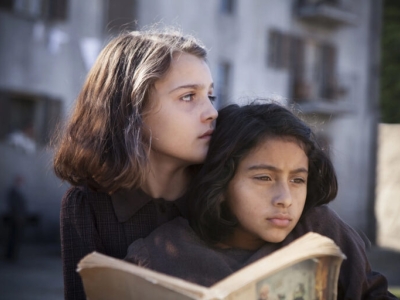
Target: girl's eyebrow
{"type": "Point", "coordinates": [275, 169]}
{"type": "Point", "coordinates": [191, 86]}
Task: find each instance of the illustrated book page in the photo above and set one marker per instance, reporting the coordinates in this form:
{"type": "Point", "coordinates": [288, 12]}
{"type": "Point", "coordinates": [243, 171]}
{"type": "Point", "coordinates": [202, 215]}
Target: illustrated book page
{"type": "Point", "coordinates": [307, 268]}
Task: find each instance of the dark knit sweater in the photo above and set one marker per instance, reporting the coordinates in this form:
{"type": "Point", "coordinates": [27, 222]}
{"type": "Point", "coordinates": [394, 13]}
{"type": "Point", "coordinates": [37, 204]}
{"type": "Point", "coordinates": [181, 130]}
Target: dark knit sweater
{"type": "Point", "coordinates": [94, 221]}
{"type": "Point", "coordinates": [175, 249]}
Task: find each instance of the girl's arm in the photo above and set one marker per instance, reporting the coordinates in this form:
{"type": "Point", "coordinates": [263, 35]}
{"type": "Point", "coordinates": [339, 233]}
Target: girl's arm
{"type": "Point", "coordinates": [79, 237]}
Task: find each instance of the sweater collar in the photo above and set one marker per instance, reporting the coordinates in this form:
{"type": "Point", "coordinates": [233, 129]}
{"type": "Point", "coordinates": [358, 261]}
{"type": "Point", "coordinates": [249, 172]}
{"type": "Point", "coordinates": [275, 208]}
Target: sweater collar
{"type": "Point", "coordinates": [127, 202]}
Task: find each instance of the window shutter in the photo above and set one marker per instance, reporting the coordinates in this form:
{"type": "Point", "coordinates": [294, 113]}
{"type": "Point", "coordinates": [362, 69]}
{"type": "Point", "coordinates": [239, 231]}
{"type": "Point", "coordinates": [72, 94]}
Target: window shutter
{"type": "Point", "coordinates": [274, 48]}
{"type": "Point", "coordinates": [299, 89]}
{"type": "Point", "coordinates": [328, 72]}
{"type": "Point", "coordinates": [285, 51]}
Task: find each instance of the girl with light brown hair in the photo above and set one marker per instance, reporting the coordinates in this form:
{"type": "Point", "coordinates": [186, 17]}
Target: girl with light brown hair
{"type": "Point", "coordinates": [141, 124]}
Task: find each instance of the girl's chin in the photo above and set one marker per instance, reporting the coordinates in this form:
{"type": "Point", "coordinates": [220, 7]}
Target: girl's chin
{"type": "Point", "coordinates": [276, 238]}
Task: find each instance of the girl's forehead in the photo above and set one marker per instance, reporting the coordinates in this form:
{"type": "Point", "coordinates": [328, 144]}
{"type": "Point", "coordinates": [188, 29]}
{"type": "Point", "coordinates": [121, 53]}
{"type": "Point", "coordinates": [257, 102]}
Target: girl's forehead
{"type": "Point", "coordinates": [185, 70]}
{"type": "Point", "coordinates": [268, 139]}
{"type": "Point", "coordinates": [273, 147]}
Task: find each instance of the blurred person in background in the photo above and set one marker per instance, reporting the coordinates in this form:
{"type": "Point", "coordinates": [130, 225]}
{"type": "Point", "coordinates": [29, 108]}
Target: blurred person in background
{"type": "Point", "coordinates": [15, 218]}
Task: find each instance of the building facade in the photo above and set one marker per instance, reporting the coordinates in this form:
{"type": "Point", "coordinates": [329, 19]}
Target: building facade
{"type": "Point", "coordinates": [319, 56]}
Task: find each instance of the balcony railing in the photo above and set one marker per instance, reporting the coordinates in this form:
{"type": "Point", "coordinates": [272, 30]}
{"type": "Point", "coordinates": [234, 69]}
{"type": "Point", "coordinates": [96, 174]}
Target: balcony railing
{"type": "Point", "coordinates": [332, 98]}
{"type": "Point", "coordinates": [327, 12]}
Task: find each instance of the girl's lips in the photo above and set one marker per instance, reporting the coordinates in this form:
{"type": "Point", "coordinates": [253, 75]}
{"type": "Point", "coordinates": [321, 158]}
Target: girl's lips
{"type": "Point", "coordinates": [279, 222]}
{"type": "Point", "coordinates": [207, 134]}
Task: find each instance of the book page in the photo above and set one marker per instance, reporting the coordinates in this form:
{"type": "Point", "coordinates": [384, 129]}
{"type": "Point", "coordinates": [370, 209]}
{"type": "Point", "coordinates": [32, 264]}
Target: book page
{"type": "Point", "coordinates": [310, 246]}
{"type": "Point", "coordinates": [308, 267]}
{"type": "Point", "coordinates": [105, 284]}
{"type": "Point", "coordinates": [294, 282]}
{"type": "Point", "coordinates": [104, 276]}
{"type": "Point", "coordinates": [314, 278]}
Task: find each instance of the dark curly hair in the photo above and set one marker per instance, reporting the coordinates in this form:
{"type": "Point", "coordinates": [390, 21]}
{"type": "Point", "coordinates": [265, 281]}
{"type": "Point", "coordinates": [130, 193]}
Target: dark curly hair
{"type": "Point", "coordinates": [240, 129]}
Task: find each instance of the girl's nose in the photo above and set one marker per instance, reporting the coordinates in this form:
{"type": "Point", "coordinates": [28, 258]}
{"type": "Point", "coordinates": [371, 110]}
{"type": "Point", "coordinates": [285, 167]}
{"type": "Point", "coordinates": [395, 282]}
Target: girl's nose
{"type": "Point", "coordinates": [210, 113]}
{"type": "Point", "coordinates": [282, 196]}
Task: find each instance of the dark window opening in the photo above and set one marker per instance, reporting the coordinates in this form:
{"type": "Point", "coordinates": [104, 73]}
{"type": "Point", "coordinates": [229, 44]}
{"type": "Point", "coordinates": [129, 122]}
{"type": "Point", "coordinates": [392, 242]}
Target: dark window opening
{"type": "Point", "coordinates": [6, 4]}
{"type": "Point", "coordinates": [313, 71]}
{"type": "Point", "coordinates": [320, 2]}
{"type": "Point", "coordinates": [27, 118]}
{"type": "Point", "coordinates": [56, 10]}
{"type": "Point", "coordinates": [223, 83]}
{"type": "Point", "coordinates": [278, 54]}
{"type": "Point", "coordinates": [228, 6]}
{"type": "Point", "coordinates": [48, 10]}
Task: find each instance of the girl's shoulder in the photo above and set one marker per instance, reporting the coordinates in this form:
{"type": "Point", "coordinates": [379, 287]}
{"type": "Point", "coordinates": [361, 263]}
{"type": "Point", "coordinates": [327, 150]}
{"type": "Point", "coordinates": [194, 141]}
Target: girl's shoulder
{"type": "Point", "coordinates": [83, 196]}
{"type": "Point", "coordinates": [322, 216]}
{"type": "Point", "coordinates": [325, 221]}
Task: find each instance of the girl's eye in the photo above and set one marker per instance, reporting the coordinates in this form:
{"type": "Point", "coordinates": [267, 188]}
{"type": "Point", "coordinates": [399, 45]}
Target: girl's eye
{"type": "Point", "coordinates": [263, 178]}
{"type": "Point", "coordinates": [188, 97]}
{"type": "Point", "coordinates": [298, 180]}
{"type": "Point", "coordinates": [212, 98]}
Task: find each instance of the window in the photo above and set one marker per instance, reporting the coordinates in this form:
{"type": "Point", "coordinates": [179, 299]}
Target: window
{"type": "Point", "coordinates": [278, 54]}
{"type": "Point", "coordinates": [313, 70]}
{"type": "Point", "coordinates": [27, 116]}
{"type": "Point", "coordinates": [328, 88]}
{"type": "Point", "coordinates": [228, 6]}
{"type": "Point", "coordinates": [29, 8]}
{"type": "Point", "coordinates": [330, 13]}
{"type": "Point", "coordinates": [316, 2]}
{"type": "Point", "coordinates": [223, 84]}
{"type": "Point", "coordinates": [49, 10]}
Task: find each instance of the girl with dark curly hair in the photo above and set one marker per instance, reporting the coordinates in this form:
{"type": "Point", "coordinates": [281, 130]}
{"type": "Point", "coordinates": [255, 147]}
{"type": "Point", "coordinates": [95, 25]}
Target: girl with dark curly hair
{"type": "Point", "coordinates": [265, 182]}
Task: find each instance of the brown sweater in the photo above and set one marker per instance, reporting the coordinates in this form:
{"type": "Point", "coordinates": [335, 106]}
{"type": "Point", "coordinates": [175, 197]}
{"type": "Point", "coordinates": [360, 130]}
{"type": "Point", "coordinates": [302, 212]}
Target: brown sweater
{"type": "Point", "coordinates": [175, 249]}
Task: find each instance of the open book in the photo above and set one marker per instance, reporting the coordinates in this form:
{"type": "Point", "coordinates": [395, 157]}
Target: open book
{"type": "Point", "coordinates": [307, 268]}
